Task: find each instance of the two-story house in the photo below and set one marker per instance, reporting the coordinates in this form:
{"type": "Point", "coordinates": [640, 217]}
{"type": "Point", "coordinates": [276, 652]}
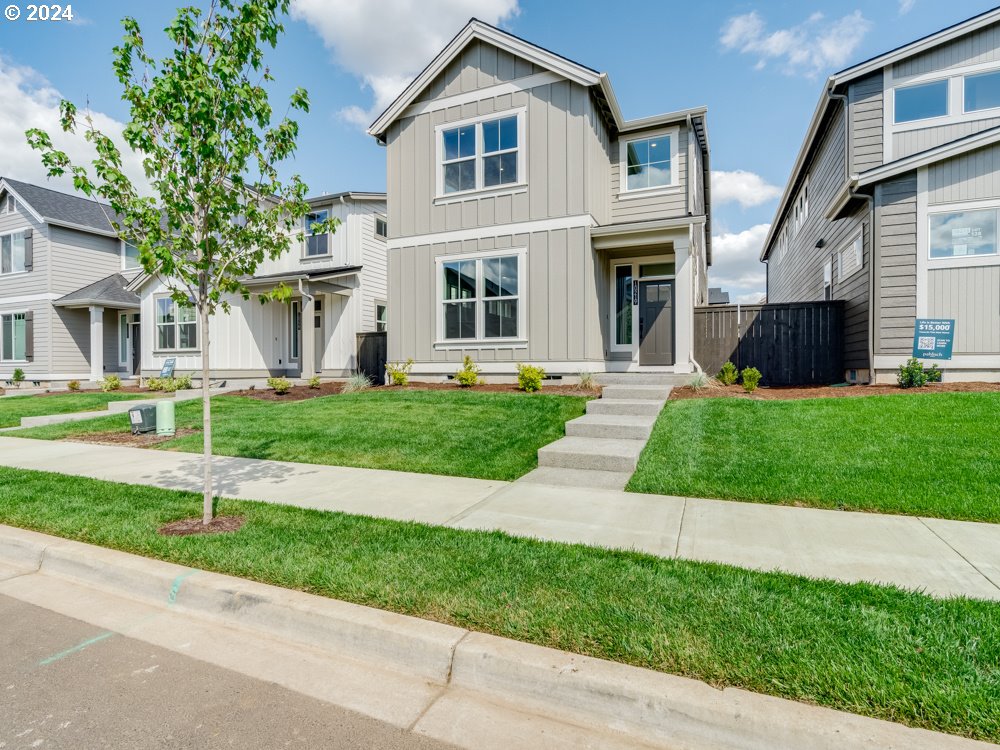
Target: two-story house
{"type": "Point", "coordinates": [530, 222]}
{"type": "Point", "coordinates": [65, 312]}
{"type": "Point", "coordinates": [894, 201]}
{"type": "Point", "coordinates": [338, 284]}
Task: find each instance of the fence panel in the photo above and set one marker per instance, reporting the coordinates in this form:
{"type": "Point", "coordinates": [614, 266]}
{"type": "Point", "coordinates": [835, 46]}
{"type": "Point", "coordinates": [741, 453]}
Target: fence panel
{"type": "Point", "coordinates": [372, 354]}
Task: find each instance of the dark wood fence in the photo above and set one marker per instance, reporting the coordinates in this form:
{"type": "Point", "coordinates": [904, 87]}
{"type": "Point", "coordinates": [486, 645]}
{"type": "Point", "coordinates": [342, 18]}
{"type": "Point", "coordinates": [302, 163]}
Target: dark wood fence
{"type": "Point", "coordinates": [372, 353]}
{"type": "Point", "coordinates": [798, 343]}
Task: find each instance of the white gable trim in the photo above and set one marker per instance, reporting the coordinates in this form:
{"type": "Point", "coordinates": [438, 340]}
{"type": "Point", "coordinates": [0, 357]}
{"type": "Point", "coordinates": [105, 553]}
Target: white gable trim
{"type": "Point", "coordinates": [4, 185]}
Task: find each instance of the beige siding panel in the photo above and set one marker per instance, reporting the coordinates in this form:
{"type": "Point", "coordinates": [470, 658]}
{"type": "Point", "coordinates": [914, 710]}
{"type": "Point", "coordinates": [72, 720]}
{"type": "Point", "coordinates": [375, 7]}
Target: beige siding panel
{"type": "Point", "coordinates": [896, 269]}
{"type": "Point", "coordinates": [972, 176]}
{"type": "Point", "coordinates": [971, 296]}
{"type": "Point", "coordinates": [981, 46]}
{"type": "Point", "coordinates": [644, 208]}
{"type": "Point", "coordinates": [37, 280]}
{"type": "Point", "coordinates": [866, 122]}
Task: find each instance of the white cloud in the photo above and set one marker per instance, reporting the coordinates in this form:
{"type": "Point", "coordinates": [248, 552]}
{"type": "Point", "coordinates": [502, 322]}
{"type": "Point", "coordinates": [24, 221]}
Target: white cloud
{"type": "Point", "coordinates": [35, 104]}
{"type": "Point", "coordinates": [736, 262]}
{"type": "Point", "coordinates": [739, 186]}
{"type": "Point", "coordinates": [812, 47]}
{"type": "Point", "coordinates": [905, 6]}
{"type": "Point", "coordinates": [386, 43]}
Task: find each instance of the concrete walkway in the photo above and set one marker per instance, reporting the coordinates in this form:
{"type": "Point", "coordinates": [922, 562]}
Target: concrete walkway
{"type": "Point", "coordinates": [942, 558]}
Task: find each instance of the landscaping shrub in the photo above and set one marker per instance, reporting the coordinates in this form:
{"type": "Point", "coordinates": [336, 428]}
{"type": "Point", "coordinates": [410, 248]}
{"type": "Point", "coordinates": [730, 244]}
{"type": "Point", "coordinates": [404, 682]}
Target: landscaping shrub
{"type": "Point", "coordinates": [529, 377]}
{"type": "Point", "coordinates": [698, 381]}
{"type": "Point", "coordinates": [154, 384]}
{"type": "Point", "coordinates": [168, 385]}
{"type": "Point", "coordinates": [183, 383]}
{"type": "Point", "coordinates": [933, 374]}
{"type": "Point", "coordinates": [468, 376]}
{"type": "Point", "coordinates": [587, 382]}
{"type": "Point", "coordinates": [18, 377]}
{"type": "Point", "coordinates": [111, 383]}
{"type": "Point", "coordinates": [314, 381]}
{"type": "Point", "coordinates": [399, 372]}
{"type": "Point", "coordinates": [912, 374]}
{"type": "Point", "coordinates": [73, 385]}
{"type": "Point", "coordinates": [355, 383]}
{"type": "Point", "coordinates": [280, 386]}
{"type": "Point", "coordinates": [751, 379]}
{"type": "Point", "coordinates": [728, 375]}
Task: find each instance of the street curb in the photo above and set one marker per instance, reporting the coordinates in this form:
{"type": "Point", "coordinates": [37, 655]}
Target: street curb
{"type": "Point", "coordinates": [645, 706]}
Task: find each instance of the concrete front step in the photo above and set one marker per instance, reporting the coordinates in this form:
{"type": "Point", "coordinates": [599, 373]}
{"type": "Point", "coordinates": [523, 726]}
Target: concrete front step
{"type": "Point", "coordinates": [556, 477]}
{"type": "Point", "coordinates": [642, 378]}
{"type": "Point", "coordinates": [598, 454]}
{"type": "Point", "coordinates": [615, 426]}
{"type": "Point", "coordinates": [624, 407]}
{"type": "Point", "coordinates": [637, 392]}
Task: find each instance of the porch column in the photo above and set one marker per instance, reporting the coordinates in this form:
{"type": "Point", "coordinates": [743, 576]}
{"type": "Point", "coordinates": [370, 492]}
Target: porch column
{"type": "Point", "coordinates": [96, 343]}
{"type": "Point", "coordinates": [684, 305]}
{"type": "Point", "coordinates": [307, 357]}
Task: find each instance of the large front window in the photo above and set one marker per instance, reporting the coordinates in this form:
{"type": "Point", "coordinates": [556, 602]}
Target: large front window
{"type": "Point", "coordinates": [648, 163]}
{"type": "Point", "coordinates": [480, 155]}
{"type": "Point", "coordinates": [481, 298]}
{"type": "Point", "coordinates": [176, 325]}
{"type": "Point", "coordinates": [12, 256]}
{"type": "Point", "coordinates": [317, 240]}
{"type": "Point", "coordinates": [15, 331]}
{"type": "Point", "coordinates": [957, 234]}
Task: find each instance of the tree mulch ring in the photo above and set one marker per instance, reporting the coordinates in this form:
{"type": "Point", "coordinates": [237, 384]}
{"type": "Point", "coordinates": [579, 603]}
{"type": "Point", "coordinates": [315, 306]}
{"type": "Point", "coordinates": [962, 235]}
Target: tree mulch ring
{"type": "Point", "coordinates": [297, 392]}
{"type": "Point", "coordinates": [142, 440]}
{"type": "Point", "coordinates": [192, 526]}
{"type": "Point", "coordinates": [715, 389]}
{"type": "Point", "coordinates": [333, 388]}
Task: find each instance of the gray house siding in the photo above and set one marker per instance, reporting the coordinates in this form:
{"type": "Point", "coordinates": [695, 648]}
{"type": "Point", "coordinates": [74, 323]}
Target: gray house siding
{"type": "Point", "coordinates": [640, 207]}
{"type": "Point", "coordinates": [982, 46]}
{"type": "Point", "coordinates": [28, 292]}
{"type": "Point", "coordinates": [478, 66]}
{"type": "Point", "coordinates": [896, 264]}
{"type": "Point", "coordinates": [915, 141]}
{"type": "Point", "coordinates": [865, 98]}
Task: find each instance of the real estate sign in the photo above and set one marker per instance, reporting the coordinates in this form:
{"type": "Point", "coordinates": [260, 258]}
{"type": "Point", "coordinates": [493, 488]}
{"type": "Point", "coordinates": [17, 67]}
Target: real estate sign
{"type": "Point", "coordinates": [167, 371]}
{"type": "Point", "coordinates": [933, 338]}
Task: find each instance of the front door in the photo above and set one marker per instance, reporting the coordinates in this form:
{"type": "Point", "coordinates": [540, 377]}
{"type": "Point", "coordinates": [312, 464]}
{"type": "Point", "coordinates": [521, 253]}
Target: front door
{"type": "Point", "coordinates": [656, 322]}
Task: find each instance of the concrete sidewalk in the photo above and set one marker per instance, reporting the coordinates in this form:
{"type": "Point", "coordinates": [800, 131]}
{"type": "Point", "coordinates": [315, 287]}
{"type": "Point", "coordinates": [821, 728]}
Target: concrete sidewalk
{"type": "Point", "coordinates": [942, 558]}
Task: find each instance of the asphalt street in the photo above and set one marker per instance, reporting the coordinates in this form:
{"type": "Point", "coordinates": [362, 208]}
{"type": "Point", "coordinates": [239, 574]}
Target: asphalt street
{"type": "Point", "coordinates": [68, 684]}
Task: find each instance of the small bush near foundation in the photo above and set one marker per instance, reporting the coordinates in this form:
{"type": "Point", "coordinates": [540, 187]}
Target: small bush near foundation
{"type": "Point", "coordinates": [18, 377]}
{"type": "Point", "coordinates": [355, 383]}
{"type": "Point", "coordinates": [587, 381]}
{"type": "Point", "coordinates": [698, 381]}
{"type": "Point", "coordinates": [111, 383]}
{"type": "Point", "coordinates": [529, 377]}
{"type": "Point", "coordinates": [73, 385]}
{"type": "Point", "coordinates": [183, 383]}
{"type": "Point", "coordinates": [751, 379]}
{"type": "Point", "coordinates": [468, 376]}
{"type": "Point", "coordinates": [280, 386]}
{"type": "Point", "coordinates": [933, 374]}
{"type": "Point", "coordinates": [154, 384]}
{"type": "Point", "coordinates": [912, 374]}
{"type": "Point", "coordinates": [314, 381]}
{"type": "Point", "coordinates": [399, 372]}
{"type": "Point", "coordinates": [728, 375]}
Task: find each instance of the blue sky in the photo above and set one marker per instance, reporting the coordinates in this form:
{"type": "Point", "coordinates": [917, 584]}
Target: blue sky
{"type": "Point", "coordinates": [758, 66]}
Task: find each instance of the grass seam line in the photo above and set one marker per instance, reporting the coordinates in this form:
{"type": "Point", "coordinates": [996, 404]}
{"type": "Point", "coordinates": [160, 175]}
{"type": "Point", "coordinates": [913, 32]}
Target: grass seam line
{"type": "Point", "coordinates": [967, 560]}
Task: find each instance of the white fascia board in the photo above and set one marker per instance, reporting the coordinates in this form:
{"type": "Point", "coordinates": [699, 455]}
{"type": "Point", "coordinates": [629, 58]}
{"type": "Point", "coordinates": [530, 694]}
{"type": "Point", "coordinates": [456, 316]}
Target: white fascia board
{"type": "Point", "coordinates": [930, 156]}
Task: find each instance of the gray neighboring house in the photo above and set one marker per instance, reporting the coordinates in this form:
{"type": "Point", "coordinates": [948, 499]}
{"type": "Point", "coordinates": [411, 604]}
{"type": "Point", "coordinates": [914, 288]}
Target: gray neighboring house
{"type": "Point", "coordinates": [65, 312]}
{"type": "Point", "coordinates": [893, 203]}
{"type": "Point", "coordinates": [529, 221]}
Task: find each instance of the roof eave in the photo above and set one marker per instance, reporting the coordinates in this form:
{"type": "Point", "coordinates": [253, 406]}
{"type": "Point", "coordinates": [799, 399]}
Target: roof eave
{"type": "Point", "coordinates": [96, 302]}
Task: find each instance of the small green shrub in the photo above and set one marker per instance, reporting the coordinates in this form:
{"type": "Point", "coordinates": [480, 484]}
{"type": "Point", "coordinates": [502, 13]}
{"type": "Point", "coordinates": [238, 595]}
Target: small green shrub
{"type": "Point", "coordinates": [468, 376]}
{"type": "Point", "coordinates": [355, 383]}
{"type": "Point", "coordinates": [728, 375]}
{"type": "Point", "coordinates": [154, 384]}
{"type": "Point", "coordinates": [111, 383]}
{"type": "Point", "coordinates": [933, 374]}
{"type": "Point", "coordinates": [183, 383]}
{"type": "Point", "coordinates": [73, 385]}
{"type": "Point", "coordinates": [399, 372]}
{"type": "Point", "coordinates": [912, 374]}
{"type": "Point", "coordinates": [314, 382]}
{"type": "Point", "coordinates": [280, 386]}
{"type": "Point", "coordinates": [698, 381]}
{"type": "Point", "coordinates": [751, 379]}
{"type": "Point", "coordinates": [587, 381]}
{"type": "Point", "coordinates": [168, 385]}
{"type": "Point", "coordinates": [18, 377]}
{"type": "Point", "coordinates": [529, 377]}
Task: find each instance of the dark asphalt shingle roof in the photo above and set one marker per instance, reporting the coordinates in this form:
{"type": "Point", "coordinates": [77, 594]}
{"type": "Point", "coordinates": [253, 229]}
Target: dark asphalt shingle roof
{"type": "Point", "coordinates": [62, 207]}
{"type": "Point", "coordinates": [110, 289]}
{"type": "Point", "coordinates": [717, 297]}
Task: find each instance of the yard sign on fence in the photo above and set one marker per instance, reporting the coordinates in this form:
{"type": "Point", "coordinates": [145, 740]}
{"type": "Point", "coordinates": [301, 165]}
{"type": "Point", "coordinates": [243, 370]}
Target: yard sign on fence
{"type": "Point", "coordinates": [933, 338]}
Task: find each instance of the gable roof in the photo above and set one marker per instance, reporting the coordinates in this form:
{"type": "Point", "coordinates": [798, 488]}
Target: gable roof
{"type": "Point", "coordinates": [59, 208]}
{"type": "Point", "coordinates": [845, 76]}
{"type": "Point", "coordinates": [110, 291]}
{"type": "Point", "coordinates": [563, 66]}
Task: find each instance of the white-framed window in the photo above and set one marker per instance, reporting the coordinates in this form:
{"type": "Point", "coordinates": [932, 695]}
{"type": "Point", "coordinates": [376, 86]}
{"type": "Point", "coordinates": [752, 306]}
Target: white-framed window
{"type": "Point", "coordinates": [10, 204]}
{"type": "Point", "coordinates": [381, 227]}
{"type": "Point", "coordinates": [482, 297]}
{"type": "Point", "coordinates": [176, 325]}
{"type": "Point", "coordinates": [800, 209]}
{"type": "Point", "coordinates": [381, 316]}
{"type": "Point", "coordinates": [14, 337]}
{"type": "Point", "coordinates": [981, 91]}
{"type": "Point", "coordinates": [317, 243]}
{"type": "Point", "coordinates": [12, 253]}
{"type": "Point", "coordinates": [963, 93]}
{"type": "Point", "coordinates": [920, 101]}
{"type": "Point", "coordinates": [130, 256]}
{"type": "Point", "coordinates": [828, 280]}
{"type": "Point", "coordinates": [649, 162]}
{"type": "Point", "coordinates": [484, 153]}
{"type": "Point", "coordinates": [962, 233]}
{"type": "Point", "coordinates": [851, 257]}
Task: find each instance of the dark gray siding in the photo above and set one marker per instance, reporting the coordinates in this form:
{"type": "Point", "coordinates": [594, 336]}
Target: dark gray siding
{"type": "Point", "coordinates": [896, 264]}
{"type": "Point", "coordinates": [866, 122]}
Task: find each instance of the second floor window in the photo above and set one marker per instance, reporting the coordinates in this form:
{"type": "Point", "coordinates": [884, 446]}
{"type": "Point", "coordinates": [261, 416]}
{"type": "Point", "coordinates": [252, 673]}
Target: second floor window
{"type": "Point", "coordinates": [381, 227]}
{"type": "Point", "coordinates": [317, 243]}
{"type": "Point", "coordinates": [920, 102]}
{"type": "Point", "coordinates": [648, 163]}
{"type": "Point", "coordinates": [130, 257]}
{"type": "Point", "coordinates": [481, 155]}
{"type": "Point", "coordinates": [12, 256]}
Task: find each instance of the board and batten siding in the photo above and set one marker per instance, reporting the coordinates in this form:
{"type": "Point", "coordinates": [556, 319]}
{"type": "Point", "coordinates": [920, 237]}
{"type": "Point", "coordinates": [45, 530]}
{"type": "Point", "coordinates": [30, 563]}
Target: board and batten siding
{"type": "Point", "coordinates": [865, 98]}
{"type": "Point", "coordinates": [896, 264]}
{"type": "Point", "coordinates": [797, 275]}
{"type": "Point", "coordinates": [639, 207]}
{"type": "Point", "coordinates": [980, 46]}
{"type": "Point", "coordinates": [915, 141]}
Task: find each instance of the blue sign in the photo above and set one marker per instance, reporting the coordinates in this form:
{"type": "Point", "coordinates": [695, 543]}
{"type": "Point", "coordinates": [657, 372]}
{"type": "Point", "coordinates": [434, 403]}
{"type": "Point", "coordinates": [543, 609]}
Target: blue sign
{"type": "Point", "coordinates": [933, 339]}
{"type": "Point", "coordinates": [167, 371]}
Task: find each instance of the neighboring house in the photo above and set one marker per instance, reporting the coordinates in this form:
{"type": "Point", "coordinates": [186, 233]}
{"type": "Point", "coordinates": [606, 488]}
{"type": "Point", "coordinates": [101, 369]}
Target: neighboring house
{"type": "Point", "coordinates": [338, 284]}
{"type": "Point", "coordinates": [530, 222]}
{"type": "Point", "coordinates": [65, 313]}
{"type": "Point", "coordinates": [893, 201]}
{"type": "Point", "coordinates": [717, 297]}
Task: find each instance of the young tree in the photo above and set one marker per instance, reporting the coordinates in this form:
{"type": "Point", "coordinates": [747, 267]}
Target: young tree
{"type": "Point", "coordinates": [210, 146]}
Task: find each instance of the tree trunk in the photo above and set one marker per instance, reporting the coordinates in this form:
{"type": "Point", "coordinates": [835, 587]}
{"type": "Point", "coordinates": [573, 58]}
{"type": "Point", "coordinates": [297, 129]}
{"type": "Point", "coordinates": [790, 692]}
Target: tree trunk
{"type": "Point", "coordinates": [208, 510]}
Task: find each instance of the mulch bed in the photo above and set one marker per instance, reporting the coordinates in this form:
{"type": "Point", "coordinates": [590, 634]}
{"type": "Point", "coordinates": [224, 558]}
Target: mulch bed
{"type": "Point", "coordinates": [303, 392]}
{"type": "Point", "coordinates": [297, 393]}
{"type": "Point", "coordinates": [143, 440]}
{"type": "Point", "coordinates": [190, 526]}
{"type": "Point", "coordinates": [786, 393]}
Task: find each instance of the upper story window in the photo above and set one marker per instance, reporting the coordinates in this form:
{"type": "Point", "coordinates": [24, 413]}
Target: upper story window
{"type": "Point", "coordinates": [920, 102]}
{"type": "Point", "coordinates": [982, 91]}
{"type": "Point", "coordinates": [12, 253]}
{"type": "Point", "coordinates": [317, 243]}
{"type": "Point", "coordinates": [130, 256]}
{"type": "Point", "coordinates": [649, 162]}
{"type": "Point", "coordinates": [800, 209]}
{"type": "Point", "coordinates": [957, 234]}
{"type": "Point", "coordinates": [381, 227]}
{"type": "Point", "coordinates": [10, 204]}
{"type": "Point", "coordinates": [481, 154]}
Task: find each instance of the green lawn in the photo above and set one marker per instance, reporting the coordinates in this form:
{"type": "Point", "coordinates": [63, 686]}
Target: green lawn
{"type": "Point", "coordinates": [867, 649]}
{"type": "Point", "coordinates": [932, 455]}
{"type": "Point", "coordinates": [457, 433]}
{"type": "Point", "coordinates": [15, 407]}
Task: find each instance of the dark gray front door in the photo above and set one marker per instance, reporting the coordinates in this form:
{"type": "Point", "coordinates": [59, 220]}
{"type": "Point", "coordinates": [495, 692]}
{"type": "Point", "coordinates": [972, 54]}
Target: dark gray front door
{"type": "Point", "coordinates": [656, 322]}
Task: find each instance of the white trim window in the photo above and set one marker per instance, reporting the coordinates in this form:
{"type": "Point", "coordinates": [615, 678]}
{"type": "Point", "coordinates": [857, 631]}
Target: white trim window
{"type": "Point", "coordinates": [381, 227]}
{"type": "Point", "coordinates": [381, 316]}
{"type": "Point", "coordinates": [485, 153]}
{"type": "Point", "coordinates": [921, 101]}
{"type": "Point", "coordinates": [176, 325]}
{"type": "Point", "coordinates": [482, 297]}
{"type": "Point", "coordinates": [828, 280]}
{"type": "Point", "coordinates": [649, 162]}
{"type": "Point", "coordinates": [962, 233]}
{"type": "Point", "coordinates": [317, 243]}
{"type": "Point", "coordinates": [130, 256]}
{"type": "Point", "coordinates": [12, 253]}
{"type": "Point", "coordinates": [14, 337]}
{"type": "Point", "coordinates": [851, 257]}
{"type": "Point", "coordinates": [10, 204]}
{"type": "Point", "coordinates": [800, 210]}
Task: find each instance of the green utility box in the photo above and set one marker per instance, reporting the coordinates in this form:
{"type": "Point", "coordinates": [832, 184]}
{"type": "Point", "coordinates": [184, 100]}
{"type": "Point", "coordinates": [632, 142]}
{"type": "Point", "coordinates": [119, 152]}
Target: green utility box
{"type": "Point", "coordinates": [142, 419]}
{"type": "Point", "coordinates": [165, 417]}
